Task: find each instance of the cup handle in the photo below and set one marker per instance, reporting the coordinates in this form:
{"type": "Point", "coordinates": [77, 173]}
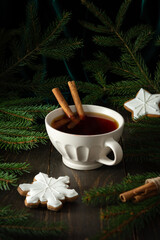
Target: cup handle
{"type": "Point", "coordinates": [117, 151]}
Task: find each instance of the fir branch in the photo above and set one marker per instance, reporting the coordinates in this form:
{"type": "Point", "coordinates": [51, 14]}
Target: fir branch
{"type": "Point", "coordinates": [94, 92]}
{"type": "Point", "coordinates": [10, 215]}
{"type": "Point", "coordinates": [127, 71]}
{"type": "Point", "coordinates": [63, 49]}
{"type": "Point", "coordinates": [136, 61]}
{"type": "Point", "coordinates": [101, 63]}
{"type": "Point", "coordinates": [17, 114]}
{"type": "Point", "coordinates": [157, 75]}
{"type": "Point", "coordinates": [110, 193]}
{"type": "Point", "coordinates": [98, 13]}
{"type": "Point", "coordinates": [106, 41]}
{"type": "Point", "coordinates": [124, 88]}
{"type": "Point", "coordinates": [132, 33]}
{"type": "Point", "coordinates": [130, 64]}
{"type": "Point", "coordinates": [117, 93]}
{"type": "Point", "coordinates": [44, 89]}
{"type": "Point", "coordinates": [143, 39]}
{"type": "Point", "coordinates": [17, 168]}
{"type": "Point", "coordinates": [33, 27]}
{"type": "Point", "coordinates": [33, 230]}
{"type": "Point", "coordinates": [37, 48]}
{"type": "Point", "coordinates": [20, 125]}
{"type": "Point", "coordinates": [55, 28]}
{"type": "Point", "coordinates": [88, 87]}
{"type": "Point", "coordinates": [121, 13]}
{"type": "Point", "coordinates": [125, 217]}
{"type": "Point", "coordinates": [20, 115]}
{"type": "Point", "coordinates": [9, 173]}
{"type": "Point", "coordinates": [19, 223]}
{"type": "Point", "coordinates": [118, 101]}
{"type": "Point", "coordinates": [16, 123]}
{"type": "Point", "coordinates": [7, 179]}
{"type": "Point", "coordinates": [23, 133]}
{"type": "Point", "coordinates": [93, 27]}
{"type": "Point", "coordinates": [119, 218]}
{"type": "Point", "coordinates": [101, 79]}
{"type": "Point", "coordinates": [19, 143]}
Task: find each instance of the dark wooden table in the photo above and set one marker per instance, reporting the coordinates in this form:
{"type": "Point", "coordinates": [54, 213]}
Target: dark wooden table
{"type": "Point", "coordinates": [83, 221]}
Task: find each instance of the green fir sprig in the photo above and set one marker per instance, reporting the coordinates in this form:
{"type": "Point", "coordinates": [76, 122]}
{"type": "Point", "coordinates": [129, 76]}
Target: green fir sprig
{"type": "Point", "coordinates": [124, 218]}
{"type": "Point", "coordinates": [17, 168]}
{"type": "Point", "coordinates": [7, 179]}
{"type": "Point", "coordinates": [22, 126]}
{"type": "Point", "coordinates": [110, 193]}
{"type": "Point", "coordinates": [19, 223]}
{"type": "Point", "coordinates": [25, 84]}
{"type": "Point", "coordinates": [31, 42]}
{"type": "Point", "coordinates": [10, 172]}
{"type": "Point", "coordinates": [130, 72]}
{"type": "Point", "coordinates": [121, 218]}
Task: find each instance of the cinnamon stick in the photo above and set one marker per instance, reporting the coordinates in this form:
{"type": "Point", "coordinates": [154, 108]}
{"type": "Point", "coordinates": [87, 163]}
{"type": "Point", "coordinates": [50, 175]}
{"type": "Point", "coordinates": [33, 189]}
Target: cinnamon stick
{"type": "Point", "coordinates": [140, 193]}
{"type": "Point", "coordinates": [59, 123]}
{"type": "Point", "coordinates": [61, 100]}
{"type": "Point", "coordinates": [76, 99]}
{"type": "Point", "coordinates": [72, 124]}
{"type": "Point", "coordinates": [142, 197]}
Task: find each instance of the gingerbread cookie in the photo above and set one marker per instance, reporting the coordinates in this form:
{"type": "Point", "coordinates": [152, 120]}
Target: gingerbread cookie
{"type": "Point", "coordinates": [47, 191]}
{"type": "Point", "coordinates": [144, 104]}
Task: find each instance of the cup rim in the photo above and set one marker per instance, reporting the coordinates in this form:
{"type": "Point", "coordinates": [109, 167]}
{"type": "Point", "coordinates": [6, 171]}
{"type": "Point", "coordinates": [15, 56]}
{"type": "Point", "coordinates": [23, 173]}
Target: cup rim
{"type": "Point", "coordinates": [80, 135]}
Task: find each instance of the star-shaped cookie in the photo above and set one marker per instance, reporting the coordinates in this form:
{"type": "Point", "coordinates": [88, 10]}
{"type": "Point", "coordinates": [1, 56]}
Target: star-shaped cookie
{"type": "Point", "coordinates": [144, 104]}
{"type": "Point", "coordinates": [47, 191]}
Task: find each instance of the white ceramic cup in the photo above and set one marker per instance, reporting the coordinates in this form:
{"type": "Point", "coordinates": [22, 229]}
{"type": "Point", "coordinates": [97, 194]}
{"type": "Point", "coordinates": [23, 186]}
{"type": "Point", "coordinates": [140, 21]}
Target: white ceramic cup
{"type": "Point", "coordinates": [86, 152]}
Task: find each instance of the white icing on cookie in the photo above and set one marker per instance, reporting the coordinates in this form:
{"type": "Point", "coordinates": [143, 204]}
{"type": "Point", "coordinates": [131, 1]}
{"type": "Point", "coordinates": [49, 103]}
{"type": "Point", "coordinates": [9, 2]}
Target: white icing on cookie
{"type": "Point", "coordinates": [49, 190]}
{"type": "Point", "coordinates": [144, 104]}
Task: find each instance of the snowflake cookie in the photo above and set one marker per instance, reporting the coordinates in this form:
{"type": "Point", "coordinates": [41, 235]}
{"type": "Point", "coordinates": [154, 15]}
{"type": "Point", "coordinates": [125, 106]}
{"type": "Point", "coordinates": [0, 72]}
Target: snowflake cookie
{"type": "Point", "coordinates": [48, 191]}
{"type": "Point", "coordinates": [144, 104]}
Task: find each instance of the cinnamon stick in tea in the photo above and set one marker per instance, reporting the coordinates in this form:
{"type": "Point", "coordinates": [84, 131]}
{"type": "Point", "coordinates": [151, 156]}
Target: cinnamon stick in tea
{"type": "Point", "coordinates": [72, 124]}
{"type": "Point", "coordinates": [140, 193]}
{"type": "Point", "coordinates": [76, 99]}
{"type": "Point", "coordinates": [59, 123]}
{"type": "Point", "coordinates": [64, 105]}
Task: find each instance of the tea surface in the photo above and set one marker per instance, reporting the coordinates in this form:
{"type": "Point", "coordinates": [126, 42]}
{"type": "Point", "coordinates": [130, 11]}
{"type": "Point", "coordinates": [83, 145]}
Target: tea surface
{"type": "Point", "coordinates": [93, 124]}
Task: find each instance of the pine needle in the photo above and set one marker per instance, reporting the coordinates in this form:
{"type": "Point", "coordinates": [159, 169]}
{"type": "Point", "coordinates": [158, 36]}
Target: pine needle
{"type": "Point", "coordinates": [127, 45]}
{"type": "Point", "coordinates": [9, 173]}
{"type": "Point", "coordinates": [19, 223]}
{"type": "Point", "coordinates": [119, 219]}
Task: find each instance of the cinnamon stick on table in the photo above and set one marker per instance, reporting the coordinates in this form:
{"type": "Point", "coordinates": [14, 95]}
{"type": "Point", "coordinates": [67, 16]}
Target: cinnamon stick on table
{"type": "Point", "coordinates": [76, 99]}
{"type": "Point", "coordinates": [140, 193]}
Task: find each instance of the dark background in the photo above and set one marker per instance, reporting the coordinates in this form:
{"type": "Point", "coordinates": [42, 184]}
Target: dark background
{"type": "Point", "coordinates": [13, 13]}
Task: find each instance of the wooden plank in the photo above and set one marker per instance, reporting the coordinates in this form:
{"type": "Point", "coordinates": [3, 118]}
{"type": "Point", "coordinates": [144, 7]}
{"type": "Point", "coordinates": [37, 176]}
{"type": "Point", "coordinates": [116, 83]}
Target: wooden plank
{"type": "Point", "coordinates": [83, 221]}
